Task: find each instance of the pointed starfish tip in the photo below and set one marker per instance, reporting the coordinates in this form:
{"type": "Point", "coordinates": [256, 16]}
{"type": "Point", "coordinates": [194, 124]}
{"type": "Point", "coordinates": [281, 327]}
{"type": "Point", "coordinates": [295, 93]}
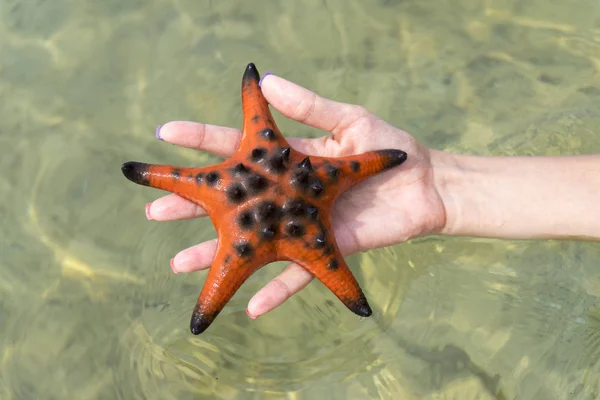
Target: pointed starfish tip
{"type": "Point", "coordinates": [365, 311]}
{"type": "Point", "coordinates": [251, 74]}
{"type": "Point", "coordinates": [393, 157]}
{"type": "Point", "coordinates": [199, 323]}
{"type": "Point", "coordinates": [362, 309]}
{"type": "Point", "coordinates": [136, 172]}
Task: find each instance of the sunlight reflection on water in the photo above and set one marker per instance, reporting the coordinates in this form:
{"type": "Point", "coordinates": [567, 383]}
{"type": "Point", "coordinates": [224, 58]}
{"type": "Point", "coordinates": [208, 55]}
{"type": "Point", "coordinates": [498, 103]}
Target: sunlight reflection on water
{"type": "Point", "coordinates": [88, 305]}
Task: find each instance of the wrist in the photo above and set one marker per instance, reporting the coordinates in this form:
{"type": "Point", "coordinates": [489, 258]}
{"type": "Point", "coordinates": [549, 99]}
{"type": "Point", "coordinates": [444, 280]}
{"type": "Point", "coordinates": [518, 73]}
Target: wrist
{"type": "Point", "coordinates": [462, 184]}
{"type": "Point", "coordinates": [446, 179]}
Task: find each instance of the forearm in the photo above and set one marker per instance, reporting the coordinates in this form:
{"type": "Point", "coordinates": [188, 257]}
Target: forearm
{"type": "Point", "coordinates": [520, 197]}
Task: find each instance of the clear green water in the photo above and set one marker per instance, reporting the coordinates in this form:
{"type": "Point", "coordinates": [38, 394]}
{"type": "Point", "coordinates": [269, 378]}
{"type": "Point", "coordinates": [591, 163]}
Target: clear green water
{"type": "Point", "coordinates": [89, 308]}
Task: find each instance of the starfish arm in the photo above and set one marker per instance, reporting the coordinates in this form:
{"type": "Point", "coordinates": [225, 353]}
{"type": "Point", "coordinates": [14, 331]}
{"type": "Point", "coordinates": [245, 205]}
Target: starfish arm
{"type": "Point", "coordinates": [213, 188]}
{"type": "Point", "coordinates": [323, 179]}
{"type": "Point", "coordinates": [236, 259]}
{"type": "Point", "coordinates": [351, 170]}
{"type": "Point", "coordinates": [362, 166]}
{"type": "Point", "coordinates": [189, 183]}
{"type": "Point", "coordinates": [335, 274]}
{"type": "Point", "coordinates": [259, 129]}
{"type": "Point", "coordinates": [316, 250]}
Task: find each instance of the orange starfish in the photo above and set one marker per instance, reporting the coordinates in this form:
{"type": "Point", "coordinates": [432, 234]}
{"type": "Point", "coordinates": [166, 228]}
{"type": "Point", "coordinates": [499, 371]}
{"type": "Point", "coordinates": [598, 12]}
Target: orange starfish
{"type": "Point", "coordinates": [268, 202]}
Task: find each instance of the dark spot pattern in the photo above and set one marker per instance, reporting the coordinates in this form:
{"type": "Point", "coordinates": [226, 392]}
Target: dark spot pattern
{"type": "Point", "coordinates": [268, 134]}
{"type": "Point", "coordinates": [320, 241]}
{"type": "Point", "coordinates": [199, 178]}
{"type": "Point", "coordinates": [300, 177]}
{"type": "Point", "coordinates": [276, 164]}
{"type": "Point", "coordinates": [354, 166]}
{"type": "Point", "coordinates": [285, 153]}
{"type": "Point", "coordinates": [255, 183]}
{"type": "Point", "coordinates": [332, 172]}
{"type": "Point", "coordinates": [266, 211]}
{"type": "Point", "coordinates": [236, 193]}
{"type": "Point", "coordinates": [243, 249]}
{"type": "Point", "coordinates": [312, 212]}
{"type": "Point", "coordinates": [294, 207]}
{"type": "Point", "coordinates": [258, 154]}
{"type": "Point", "coordinates": [212, 178]}
{"type": "Point", "coordinates": [316, 188]}
{"type": "Point", "coordinates": [246, 220]}
{"type": "Point", "coordinates": [240, 169]}
{"type": "Point", "coordinates": [256, 118]}
{"type": "Point", "coordinates": [294, 229]}
{"type": "Point", "coordinates": [267, 232]}
{"type": "Point", "coordinates": [305, 164]}
{"type": "Point", "coordinates": [333, 264]}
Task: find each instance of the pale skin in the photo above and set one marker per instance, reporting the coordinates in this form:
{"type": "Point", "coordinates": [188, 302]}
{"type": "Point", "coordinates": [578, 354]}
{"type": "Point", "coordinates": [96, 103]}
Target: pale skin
{"type": "Point", "coordinates": [433, 192]}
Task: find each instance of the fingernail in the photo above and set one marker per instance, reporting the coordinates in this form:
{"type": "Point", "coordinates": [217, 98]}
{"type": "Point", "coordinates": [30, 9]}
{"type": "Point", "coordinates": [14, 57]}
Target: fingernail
{"type": "Point", "coordinates": [172, 262]}
{"type": "Point", "coordinates": [264, 76]}
{"type": "Point", "coordinates": [250, 315]}
{"type": "Point", "coordinates": [148, 215]}
{"type": "Point", "coordinates": [158, 132]}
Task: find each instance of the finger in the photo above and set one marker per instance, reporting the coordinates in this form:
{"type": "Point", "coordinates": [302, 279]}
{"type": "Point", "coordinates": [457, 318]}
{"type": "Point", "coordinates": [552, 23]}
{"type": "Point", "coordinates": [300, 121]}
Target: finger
{"type": "Point", "coordinates": [218, 140]}
{"type": "Point", "coordinates": [293, 279]}
{"type": "Point", "coordinates": [173, 207]}
{"type": "Point", "coordinates": [194, 258]}
{"type": "Point", "coordinates": [304, 106]}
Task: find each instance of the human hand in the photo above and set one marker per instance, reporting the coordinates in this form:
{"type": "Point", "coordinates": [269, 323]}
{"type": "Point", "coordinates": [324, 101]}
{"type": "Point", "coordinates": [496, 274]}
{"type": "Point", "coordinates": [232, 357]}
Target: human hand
{"type": "Point", "coordinates": [386, 209]}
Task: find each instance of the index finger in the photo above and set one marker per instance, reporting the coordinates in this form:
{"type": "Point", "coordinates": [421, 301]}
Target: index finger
{"type": "Point", "coordinates": [218, 140]}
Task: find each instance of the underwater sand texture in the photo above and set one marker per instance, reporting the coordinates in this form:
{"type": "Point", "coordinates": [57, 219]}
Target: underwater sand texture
{"type": "Point", "coordinates": [89, 308]}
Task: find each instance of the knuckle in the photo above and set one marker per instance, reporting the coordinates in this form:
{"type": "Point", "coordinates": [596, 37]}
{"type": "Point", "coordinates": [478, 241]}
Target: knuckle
{"type": "Point", "coordinates": [359, 111]}
{"type": "Point", "coordinates": [280, 286]}
{"type": "Point", "coordinates": [306, 108]}
{"type": "Point", "coordinates": [200, 136]}
{"type": "Point", "coordinates": [355, 115]}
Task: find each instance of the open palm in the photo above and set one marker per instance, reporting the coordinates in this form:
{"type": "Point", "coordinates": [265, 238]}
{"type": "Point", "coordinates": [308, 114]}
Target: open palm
{"type": "Point", "coordinates": [383, 210]}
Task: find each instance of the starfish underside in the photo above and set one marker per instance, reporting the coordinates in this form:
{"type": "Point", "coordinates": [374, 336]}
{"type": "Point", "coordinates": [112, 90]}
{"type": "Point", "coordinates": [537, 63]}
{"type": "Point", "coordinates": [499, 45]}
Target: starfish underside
{"type": "Point", "coordinates": [268, 202]}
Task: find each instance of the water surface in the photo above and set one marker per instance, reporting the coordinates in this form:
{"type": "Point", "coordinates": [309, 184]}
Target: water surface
{"type": "Point", "coordinates": [89, 308]}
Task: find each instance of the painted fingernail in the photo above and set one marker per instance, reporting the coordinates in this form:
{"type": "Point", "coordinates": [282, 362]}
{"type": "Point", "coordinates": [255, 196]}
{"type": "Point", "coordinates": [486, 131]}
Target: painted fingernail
{"type": "Point", "coordinates": [250, 315]}
{"type": "Point", "coordinates": [172, 262]}
{"type": "Point", "coordinates": [264, 76]}
{"type": "Point", "coordinates": [148, 215]}
{"type": "Point", "coordinates": [158, 132]}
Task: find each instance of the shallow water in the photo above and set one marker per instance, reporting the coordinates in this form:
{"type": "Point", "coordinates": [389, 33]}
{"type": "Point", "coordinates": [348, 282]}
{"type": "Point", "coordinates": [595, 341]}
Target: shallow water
{"type": "Point", "coordinates": [89, 308]}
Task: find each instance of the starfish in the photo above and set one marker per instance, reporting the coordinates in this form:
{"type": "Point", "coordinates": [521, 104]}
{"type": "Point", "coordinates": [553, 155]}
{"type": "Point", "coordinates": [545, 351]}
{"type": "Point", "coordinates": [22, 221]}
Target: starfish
{"type": "Point", "coordinates": [268, 202]}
